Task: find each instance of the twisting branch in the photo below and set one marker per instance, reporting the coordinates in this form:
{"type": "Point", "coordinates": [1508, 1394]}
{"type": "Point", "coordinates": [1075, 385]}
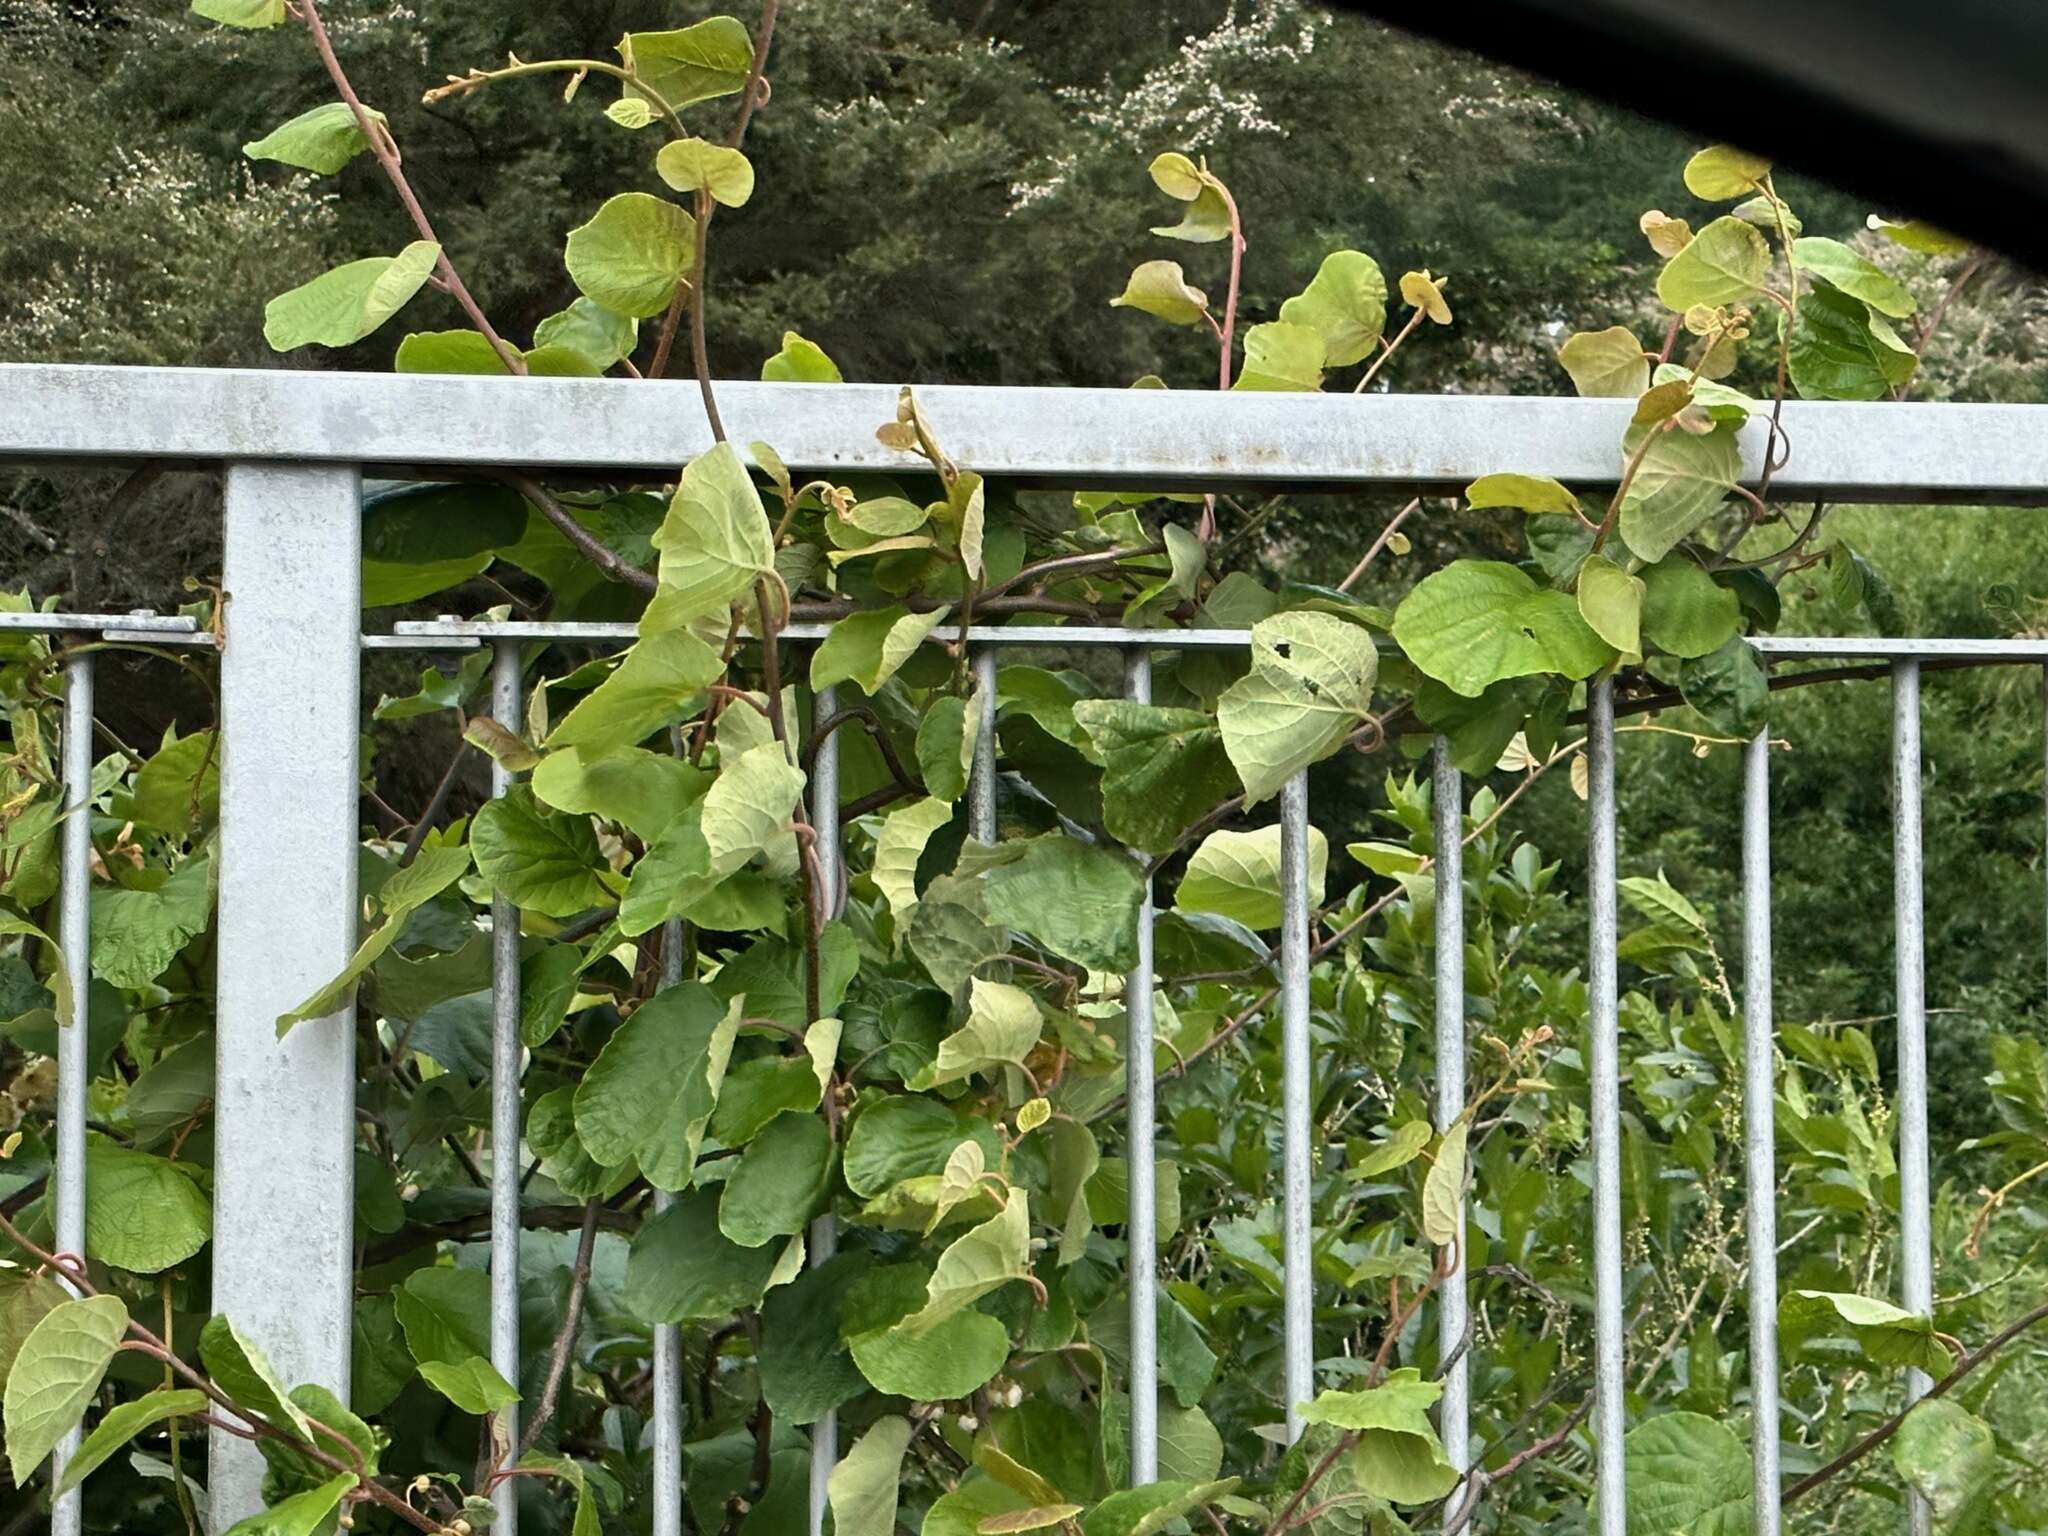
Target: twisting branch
{"type": "Point", "coordinates": [1890, 1426]}
{"type": "Point", "coordinates": [587, 543]}
{"type": "Point", "coordinates": [385, 148]}
{"type": "Point", "coordinates": [565, 1341]}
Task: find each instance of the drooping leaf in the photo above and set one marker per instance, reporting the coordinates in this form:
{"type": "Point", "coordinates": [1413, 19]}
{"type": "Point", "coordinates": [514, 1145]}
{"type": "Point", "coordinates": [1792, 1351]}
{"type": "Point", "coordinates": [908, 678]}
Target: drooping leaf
{"type": "Point", "coordinates": [1003, 1025]}
{"type": "Point", "coordinates": [632, 255]}
{"type": "Point", "coordinates": [682, 1268]}
{"type": "Point", "coordinates": [690, 64]}
{"type": "Point", "coordinates": [445, 1313]}
{"type": "Point", "coordinates": [136, 934]}
{"type": "Point", "coordinates": [1728, 688]}
{"type": "Point", "coordinates": [650, 1094]}
{"type": "Point", "coordinates": [56, 1374]}
{"type": "Point", "coordinates": [1148, 1510]}
{"type": "Point", "coordinates": [341, 307]}
{"type": "Point", "coordinates": [1611, 603]}
{"type": "Point", "coordinates": [1309, 686]}
{"type": "Point", "coordinates": [322, 140]}
{"type": "Point", "coordinates": [1841, 351]}
{"type": "Point", "coordinates": [302, 1514]}
{"type": "Point", "coordinates": [801, 362]}
{"type": "Point", "coordinates": [240, 1368]}
{"type": "Point", "coordinates": [601, 337]}
{"type": "Point", "coordinates": [641, 790]}
{"type": "Point", "coordinates": [473, 1385]}
{"type": "Point", "coordinates": [870, 646]}
{"type": "Point", "coordinates": [779, 1181]}
{"type": "Point", "coordinates": [1078, 900]}
{"type": "Point", "coordinates": [863, 1488]}
{"type": "Point", "coordinates": [1160, 288]}
{"type": "Point", "coordinates": [1237, 875]}
{"type": "Point", "coordinates": [1163, 769]}
{"type": "Point", "coordinates": [899, 845]}
{"type": "Point", "coordinates": [122, 1423]}
{"type": "Point", "coordinates": [540, 861]}
{"type": "Point", "coordinates": [404, 892]}
{"type": "Point", "coordinates": [1443, 1190]}
{"type": "Point", "coordinates": [655, 685]}
{"type": "Point", "coordinates": [1886, 1334]}
{"type": "Point", "coordinates": [1476, 622]}
{"type": "Point", "coordinates": [1398, 1456]}
{"type": "Point", "coordinates": [1529, 493]}
{"type": "Point", "coordinates": [715, 542]}
{"type": "Point", "coordinates": [1681, 481]}
{"type": "Point", "coordinates": [1421, 290]}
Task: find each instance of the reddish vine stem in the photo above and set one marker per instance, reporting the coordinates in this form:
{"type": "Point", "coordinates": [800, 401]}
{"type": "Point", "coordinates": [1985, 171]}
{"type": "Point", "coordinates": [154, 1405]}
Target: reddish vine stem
{"type": "Point", "coordinates": [385, 148]}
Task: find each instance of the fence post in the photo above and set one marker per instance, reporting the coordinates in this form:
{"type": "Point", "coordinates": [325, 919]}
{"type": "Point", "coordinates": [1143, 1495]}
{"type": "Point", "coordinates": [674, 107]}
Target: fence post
{"type": "Point", "coordinates": [284, 1176]}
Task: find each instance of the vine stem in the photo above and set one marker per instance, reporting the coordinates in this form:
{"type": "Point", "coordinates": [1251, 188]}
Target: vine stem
{"type": "Point", "coordinates": [1386, 537]}
{"type": "Point", "coordinates": [385, 148]}
{"type": "Point", "coordinates": [1225, 337]}
{"type": "Point", "coordinates": [1890, 1426]}
{"type": "Point", "coordinates": [572, 1316]}
{"type": "Point", "coordinates": [587, 544]}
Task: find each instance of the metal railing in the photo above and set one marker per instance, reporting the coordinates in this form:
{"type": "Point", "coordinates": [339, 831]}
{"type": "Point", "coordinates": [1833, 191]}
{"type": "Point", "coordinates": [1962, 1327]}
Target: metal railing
{"type": "Point", "coordinates": [294, 446]}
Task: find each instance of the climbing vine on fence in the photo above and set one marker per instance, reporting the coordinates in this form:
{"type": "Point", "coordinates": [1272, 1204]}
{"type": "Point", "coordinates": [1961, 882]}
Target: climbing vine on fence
{"type": "Point", "coordinates": [730, 1030]}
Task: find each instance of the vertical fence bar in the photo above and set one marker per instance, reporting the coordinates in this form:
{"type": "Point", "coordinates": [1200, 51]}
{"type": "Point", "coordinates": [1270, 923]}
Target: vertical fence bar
{"type": "Point", "coordinates": [1452, 1319]}
{"type": "Point", "coordinates": [505, 1059]}
{"type": "Point", "coordinates": [1609, 1419]}
{"type": "Point", "coordinates": [1916, 1250]}
{"type": "Point", "coordinates": [981, 784]}
{"type": "Point", "coordinates": [74, 937]}
{"type": "Point", "coordinates": [284, 1116]}
{"type": "Point", "coordinates": [1759, 1082]}
{"type": "Point", "coordinates": [1142, 1231]}
{"type": "Point", "coordinates": [1297, 1268]}
{"type": "Point", "coordinates": [824, 1234]}
{"type": "Point", "coordinates": [667, 1459]}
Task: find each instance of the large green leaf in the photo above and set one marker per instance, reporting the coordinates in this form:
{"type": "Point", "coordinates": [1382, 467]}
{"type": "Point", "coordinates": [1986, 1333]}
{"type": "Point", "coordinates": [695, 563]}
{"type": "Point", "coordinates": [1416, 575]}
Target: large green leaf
{"type": "Point", "coordinates": [1841, 351]}
{"type": "Point", "coordinates": [136, 934]}
{"type": "Point", "coordinates": [1685, 611]}
{"type": "Point", "coordinates": [241, 13]}
{"type": "Point", "coordinates": [900, 844]}
{"type": "Point", "coordinates": [947, 1360]}
{"type": "Point", "coordinates": [696, 165]}
{"type": "Point", "coordinates": [1346, 304]}
{"type": "Point", "coordinates": [341, 307]}
{"type": "Point", "coordinates": [863, 1488]}
{"type": "Point", "coordinates": [748, 808]}
{"type": "Point", "coordinates": [682, 1268]}
{"type": "Point", "coordinates": [1309, 685]}
{"type": "Point", "coordinates": [899, 1137]}
{"type": "Point", "coordinates": [1950, 1456]}
{"type": "Point", "coordinates": [806, 1370]}
{"type": "Point", "coordinates": [1476, 622]}
{"type": "Point", "coordinates": [56, 1375]}
{"type": "Point", "coordinates": [650, 1094]}
{"type": "Point", "coordinates": [801, 361]}
{"type": "Point", "coordinates": [715, 542]}
{"type": "Point", "coordinates": [1688, 1475]}
{"type": "Point", "coordinates": [1721, 171]}
{"type": "Point", "coordinates": [1443, 1189]}
{"type": "Point", "coordinates": [643, 791]}
{"type": "Point", "coordinates": [1237, 875]}
{"type": "Point", "coordinates": [472, 1384]}
{"type": "Point", "coordinates": [779, 1183]}
{"type": "Point", "coordinates": [633, 254]}
{"type": "Point", "coordinates": [586, 329]}
{"type": "Point", "coordinates": [1611, 603]}
{"type": "Point", "coordinates": [1163, 769]}
{"type": "Point", "coordinates": [142, 1213]}
{"type": "Point", "coordinates": [1725, 263]}
{"type": "Point", "coordinates": [982, 1259]}
{"type": "Point", "coordinates": [540, 861]}
{"type": "Point", "coordinates": [1729, 688]}
{"type": "Point", "coordinates": [123, 1422]}
{"type": "Point", "coordinates": [322, 140]}
{"type": "Point", "coordinates": [1682, 480]}
{"type": "Point", "coordinates": [445, 1312]}
{"type": "Point", "coordinates": [1078, 900]}
{"type": "Point", "coordinates": [657, 683]}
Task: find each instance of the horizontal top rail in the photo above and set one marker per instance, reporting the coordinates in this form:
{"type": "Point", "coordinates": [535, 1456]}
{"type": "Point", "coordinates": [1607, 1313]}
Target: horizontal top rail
{"type": "Point", "coordinates": [409, 631]}
{"type": "Point", "coordinates": [1154, 439]}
